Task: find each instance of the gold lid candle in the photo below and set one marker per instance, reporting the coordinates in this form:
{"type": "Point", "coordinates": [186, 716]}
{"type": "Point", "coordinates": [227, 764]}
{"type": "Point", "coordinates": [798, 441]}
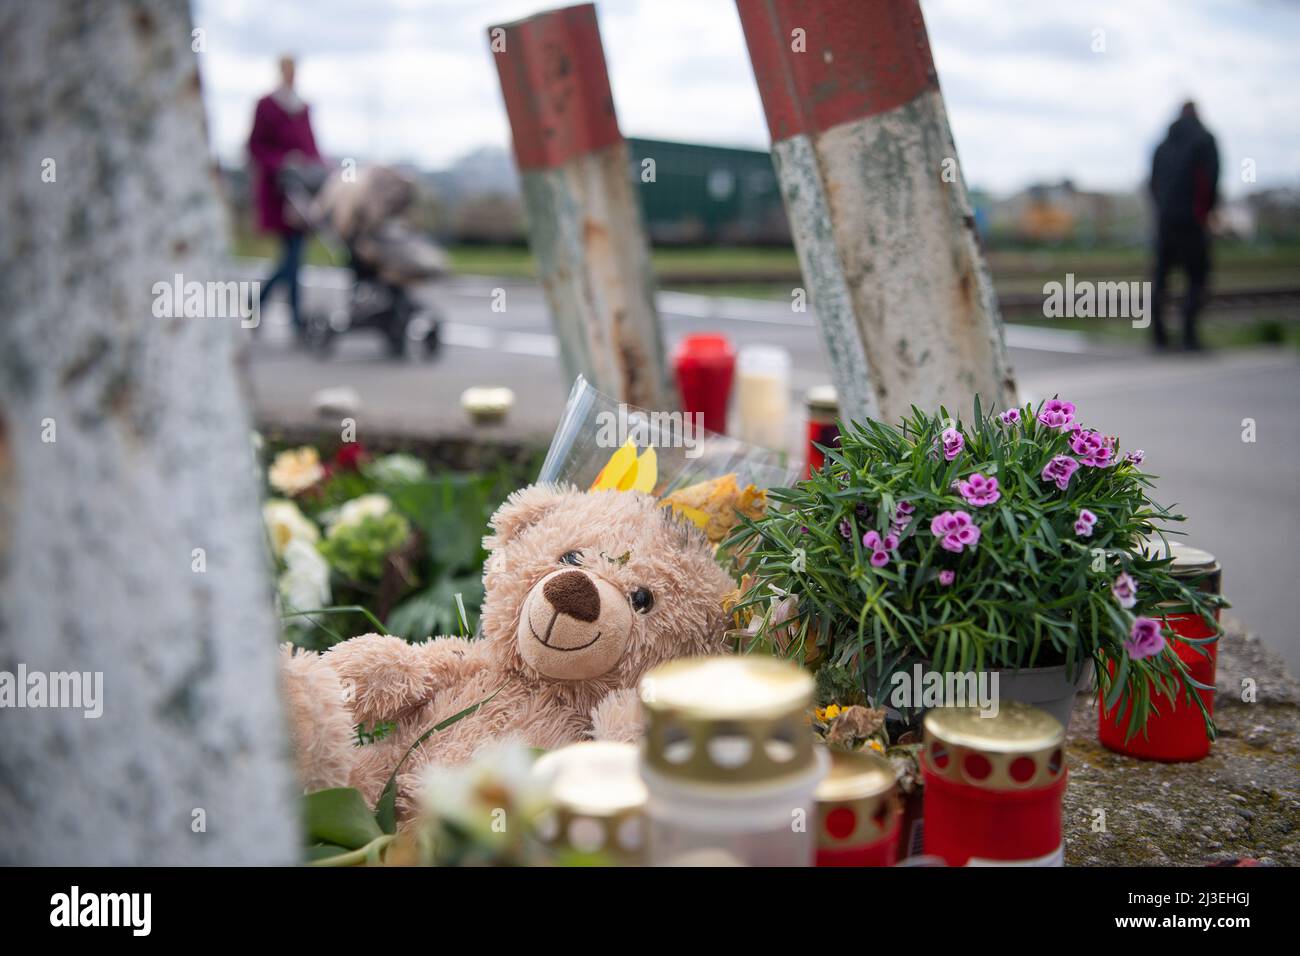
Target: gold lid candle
{"type": "Point", "coordinates": [858, 811]}
{"type": "Point", "coordinates": [993, 786]}
{"type": "Point", "coordinates": [596, 803]}
{"type": "Point", "coordinates": [729, 761]}
{"type": "Point", "coordinates": [1177, 732]}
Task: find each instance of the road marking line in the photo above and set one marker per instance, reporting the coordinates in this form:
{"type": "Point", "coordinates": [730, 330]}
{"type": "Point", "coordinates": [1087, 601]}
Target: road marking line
{"type": "Point", "coordinates": [686, 305]}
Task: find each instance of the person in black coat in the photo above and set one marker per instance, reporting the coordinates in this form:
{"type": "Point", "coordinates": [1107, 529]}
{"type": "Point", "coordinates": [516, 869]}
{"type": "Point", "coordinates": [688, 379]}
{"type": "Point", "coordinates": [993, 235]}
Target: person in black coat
{"type": "Point", "coordinates": [1184, 185]}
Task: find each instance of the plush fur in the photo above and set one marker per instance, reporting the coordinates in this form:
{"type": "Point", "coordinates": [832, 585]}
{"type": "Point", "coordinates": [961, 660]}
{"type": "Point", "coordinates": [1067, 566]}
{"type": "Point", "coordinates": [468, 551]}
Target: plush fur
{"type": "Point", "coordinates": [562, 646]}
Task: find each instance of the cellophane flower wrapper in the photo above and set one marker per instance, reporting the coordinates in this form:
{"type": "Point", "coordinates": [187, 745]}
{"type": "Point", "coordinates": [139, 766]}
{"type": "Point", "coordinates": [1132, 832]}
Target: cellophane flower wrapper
{"type": "Point", "coordinates": [581, 448]}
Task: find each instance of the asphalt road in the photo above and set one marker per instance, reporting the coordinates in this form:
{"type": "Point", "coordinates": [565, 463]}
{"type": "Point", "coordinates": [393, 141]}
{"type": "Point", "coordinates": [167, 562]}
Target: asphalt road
{"type": "Point", "coordinates": [1186, 412]}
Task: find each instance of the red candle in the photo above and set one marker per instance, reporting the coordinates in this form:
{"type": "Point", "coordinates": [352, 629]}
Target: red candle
{"type": "Point", "coordinates": [823, 409]}
{"type": "Point", "coordinates": [858, 811]}
{"type": "Point", "coordinates": [993, 786]}
{"type": "Point", "coordinates": [1178, 732]}
{"type": "Point", "coordinates": [705, 365]}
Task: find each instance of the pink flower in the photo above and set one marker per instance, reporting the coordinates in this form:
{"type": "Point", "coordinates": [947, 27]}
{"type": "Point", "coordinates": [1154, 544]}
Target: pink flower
{"type": "Point", "coordinates": [1095, 450]}
{"type": "Point", "coordinates": [1125, 590]}
{"type": "Point", "coordinates": [902, 515]}
{"type": "Point", "coordinates": [979, 491]}
{"type": "Point", "coordinates": [1135, 457]}
{"type": "Point", "coordinates": [879, 547]}
{"type": "Point", "coordinates": [1083, 524]}
{"type": "Point", "coordinates": [874, 542]}
{"type": "Point", "coordinates": [1060, 470]}
{"type": "Point", "coordinates": [1056, 414]}
{"type": "Point", "coordinates": [846, 529]}
{"type": "Point", "coordinates": [946, 577]}
{"type": "Point", "coordinates": [953, 443]}
{"type": "Point", "coordinates": [1010, 417]}
{"type": "Point", "coordinates": [1145, 639]}
{"type": "Point", "coordinates": [955, 529]}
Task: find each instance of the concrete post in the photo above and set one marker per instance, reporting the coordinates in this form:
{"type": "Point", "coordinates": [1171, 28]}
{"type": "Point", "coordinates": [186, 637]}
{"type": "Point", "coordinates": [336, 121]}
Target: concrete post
{"type": "Point", "coordinates": [584, 222]}
{"type": "Point", "coordinates": [882, 224]}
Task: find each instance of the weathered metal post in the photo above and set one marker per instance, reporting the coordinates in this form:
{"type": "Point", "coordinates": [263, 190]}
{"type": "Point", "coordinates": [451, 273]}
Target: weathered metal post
{"type": "Point", "coordinates": [882, 224]}
{"type": "Point", "coordinates": [584, 223]}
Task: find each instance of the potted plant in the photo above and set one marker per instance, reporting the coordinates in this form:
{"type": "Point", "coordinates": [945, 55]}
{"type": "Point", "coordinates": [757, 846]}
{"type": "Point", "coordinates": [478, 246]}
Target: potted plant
{"type": "Point", "coordinates": [1009, 544]}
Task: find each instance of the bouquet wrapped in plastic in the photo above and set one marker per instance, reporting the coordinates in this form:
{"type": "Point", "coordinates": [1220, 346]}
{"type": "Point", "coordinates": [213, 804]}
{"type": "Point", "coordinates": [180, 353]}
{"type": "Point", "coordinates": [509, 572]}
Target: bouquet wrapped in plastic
{"type": "Point", "coordinates": [707, 478]}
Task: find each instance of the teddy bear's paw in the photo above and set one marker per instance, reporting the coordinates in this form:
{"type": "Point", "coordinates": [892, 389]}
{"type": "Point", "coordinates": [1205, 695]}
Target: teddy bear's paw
{"type": "Point", "coordinates": [618, 717]}
{"type": "Point", "coordinates": [319, 722]}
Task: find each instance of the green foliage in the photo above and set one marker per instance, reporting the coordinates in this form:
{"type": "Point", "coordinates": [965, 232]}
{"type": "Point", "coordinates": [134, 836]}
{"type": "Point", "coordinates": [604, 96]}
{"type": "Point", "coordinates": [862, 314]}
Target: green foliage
{"type": "Point", "coordinates": [1032, 592]}
{"type": "Point", "coordinates": [414, 572]}
{"type": "Point", "coordinates": [358, 550]}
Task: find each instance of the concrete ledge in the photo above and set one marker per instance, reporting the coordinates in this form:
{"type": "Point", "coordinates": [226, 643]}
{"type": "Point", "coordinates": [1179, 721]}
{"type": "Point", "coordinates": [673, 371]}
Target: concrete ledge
{"type": "Point", "coordinates": [1243, 800]}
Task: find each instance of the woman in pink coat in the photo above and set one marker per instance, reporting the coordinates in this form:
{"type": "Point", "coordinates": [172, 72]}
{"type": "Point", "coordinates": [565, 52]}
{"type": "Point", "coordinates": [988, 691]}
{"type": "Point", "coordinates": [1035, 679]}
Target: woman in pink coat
{"type": "Point", "coordinates": [281, 133]}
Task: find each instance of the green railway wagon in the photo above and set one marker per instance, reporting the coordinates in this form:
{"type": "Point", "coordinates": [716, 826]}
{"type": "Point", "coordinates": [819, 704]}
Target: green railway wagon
{"type": "Point", "coordinates": [697, 194]}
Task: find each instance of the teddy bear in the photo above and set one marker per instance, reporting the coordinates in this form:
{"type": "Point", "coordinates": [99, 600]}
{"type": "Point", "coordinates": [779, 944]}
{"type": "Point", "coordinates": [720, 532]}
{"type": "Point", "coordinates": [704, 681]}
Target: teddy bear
{"type": "Point", "coordinates": [584, 592]}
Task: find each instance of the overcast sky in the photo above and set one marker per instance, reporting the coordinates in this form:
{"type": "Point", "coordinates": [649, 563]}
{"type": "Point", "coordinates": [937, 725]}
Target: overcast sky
{"type": "Point", "coordinates": [1027, 97]}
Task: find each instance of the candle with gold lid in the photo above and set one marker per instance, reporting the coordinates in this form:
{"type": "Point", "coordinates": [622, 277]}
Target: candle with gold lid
{"type": "Point", "coordinates": [858, 811]}
{"type": "Point", "coordinates": [823, 408]}
{"type": "Point", "coordinates": [993, 786]}
{"type": "Point", "coordinates": [596, 802]}
{"type": "Point", "coordinates": [1177, 732]}
{"type": "Point", "coordinates": [729, 761]}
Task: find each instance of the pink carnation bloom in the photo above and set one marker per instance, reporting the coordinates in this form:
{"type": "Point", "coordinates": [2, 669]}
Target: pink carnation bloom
{"type": "Point", "coordinates": [902, 515]}
{"type": "Point", "coordinates": [953, 443]}
{"type": "Point", "coordinates": [946, 577]}
{"type": "Point", "coordinates": [1060, 470]}
{"type": "Point", "coordinates": [1135, 457]}
{"type": "Point", "coordinates": [956, 530]}
{"type": "Point", "coordinates": [1094, 450]}
{"type": "Point", "coordinates": [1056, 414]}
{"type": "Point", "coordinates": [1125, 590]}
{"type": "Point", "coordinates": [1083, 524]}
{"type": "Point", "coordinates": [1010, 417]}
{"type": "Point", "coordinates": [979, 490]}
{"type": "Point", "coordinates": [1144, 639]}
{"type": "Point", "coordinates": [879, 547]}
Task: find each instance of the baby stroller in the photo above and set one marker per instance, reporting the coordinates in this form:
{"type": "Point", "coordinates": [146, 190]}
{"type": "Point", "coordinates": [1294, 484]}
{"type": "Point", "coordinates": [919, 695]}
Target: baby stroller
{"type": "Point", "coordinates": [359, 221]}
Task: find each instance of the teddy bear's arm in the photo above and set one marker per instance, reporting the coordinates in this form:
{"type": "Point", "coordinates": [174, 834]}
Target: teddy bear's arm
{"type": "Point", "coordinates": [384, 677]}
{"type": "Point", "coordinates": [617, 717]}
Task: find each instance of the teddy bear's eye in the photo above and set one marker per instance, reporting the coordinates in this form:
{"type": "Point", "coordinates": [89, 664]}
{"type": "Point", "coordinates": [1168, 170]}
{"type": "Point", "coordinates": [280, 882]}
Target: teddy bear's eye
{"type": "Point", "coordinates": [572, 557]}
{"type": "Point", "coordinates": [642, 601]}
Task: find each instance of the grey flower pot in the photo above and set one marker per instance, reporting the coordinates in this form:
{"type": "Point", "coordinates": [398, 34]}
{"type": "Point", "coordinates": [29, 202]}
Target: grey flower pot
{"type": "Point", "coordinates": [1045, 687]}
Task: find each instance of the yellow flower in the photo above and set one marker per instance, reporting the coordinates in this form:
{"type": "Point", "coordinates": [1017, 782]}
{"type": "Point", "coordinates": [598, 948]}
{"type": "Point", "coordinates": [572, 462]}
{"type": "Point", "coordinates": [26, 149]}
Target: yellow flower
{"type": "Point", "coordinates": [295, 470]}
{"type": "Point", "coordinates": [625, 471]}
{"type": "Point", "coordinates": [876, 746]}
{"type": "Point", "coordinates": [825, 714]}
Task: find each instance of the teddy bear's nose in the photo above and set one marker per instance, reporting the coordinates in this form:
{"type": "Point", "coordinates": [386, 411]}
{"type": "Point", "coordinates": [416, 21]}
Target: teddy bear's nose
{"type": "Point", "coordinates": [572, 593]}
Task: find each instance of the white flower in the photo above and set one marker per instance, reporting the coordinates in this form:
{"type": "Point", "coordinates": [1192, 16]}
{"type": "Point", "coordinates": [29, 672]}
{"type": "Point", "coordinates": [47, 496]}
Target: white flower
{"type": "Point", "coordinates": [396, 468]}
{"type": "Point", "coordinates": [358, 509]}
{"type": "Point", "coordinates": [305, 583]}
{"type": "Point", "coordinates": [285, 523]}
{"type": "Point", "coordinates": [497, 779]}
{"type": "Point", "coordinates": [295, 470]}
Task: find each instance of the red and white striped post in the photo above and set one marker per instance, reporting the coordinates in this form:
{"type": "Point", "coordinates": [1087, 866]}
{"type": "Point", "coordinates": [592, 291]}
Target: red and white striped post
{"type": "Point", "coordinates": [882, 224]}
{"type": "Point", "coordinates": [584, 222]}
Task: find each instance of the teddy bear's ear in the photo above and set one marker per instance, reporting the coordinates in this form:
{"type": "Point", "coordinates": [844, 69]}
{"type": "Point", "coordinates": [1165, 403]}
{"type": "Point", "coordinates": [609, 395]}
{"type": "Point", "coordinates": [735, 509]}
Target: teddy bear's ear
{"type": "Point", "coordinates": [523, 509]}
